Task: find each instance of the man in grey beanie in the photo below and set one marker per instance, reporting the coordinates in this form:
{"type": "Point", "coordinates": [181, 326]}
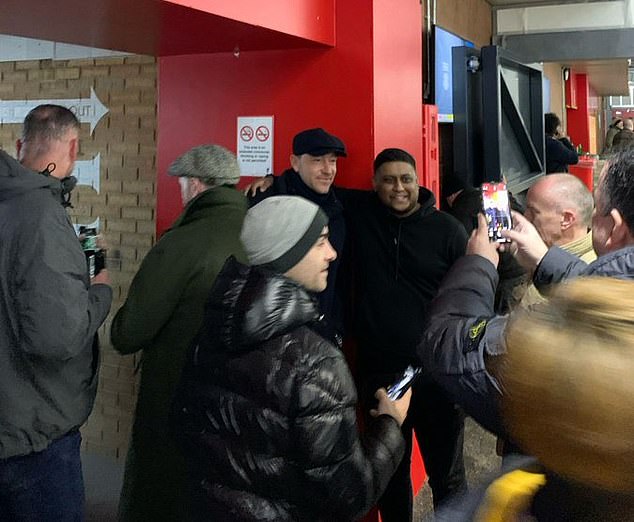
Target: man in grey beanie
{"type": "Point", "coordinates": [266, 408]}
{"type": "Point", "coordinates": [161, 316]}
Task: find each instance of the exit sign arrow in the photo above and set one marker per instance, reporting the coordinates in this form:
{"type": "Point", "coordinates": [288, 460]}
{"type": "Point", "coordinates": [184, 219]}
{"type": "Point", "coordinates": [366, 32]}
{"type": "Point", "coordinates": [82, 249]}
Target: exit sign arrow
{"type": "Point", "coordinates": [87, 172]}
{"type": "Point", "coordinates": [88, 110]}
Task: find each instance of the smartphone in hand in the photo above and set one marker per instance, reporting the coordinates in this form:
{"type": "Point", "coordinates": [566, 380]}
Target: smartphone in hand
{"type": "Point", "coordinates": [398, 388]}
{"type": "Point", "coordinates": [497, 209]}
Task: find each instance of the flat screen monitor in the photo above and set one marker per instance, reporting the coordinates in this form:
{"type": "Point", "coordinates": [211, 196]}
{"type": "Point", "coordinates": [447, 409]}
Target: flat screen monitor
{"type": "Point", "coordinates": [444, 41]}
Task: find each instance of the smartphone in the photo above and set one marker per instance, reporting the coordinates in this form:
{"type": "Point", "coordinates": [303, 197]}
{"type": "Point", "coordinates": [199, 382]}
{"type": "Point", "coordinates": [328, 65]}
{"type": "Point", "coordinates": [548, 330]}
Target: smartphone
{"type": "Point", "coordinates": [497, 209]}
{"type": "Point", "coordinates": [398, 388]}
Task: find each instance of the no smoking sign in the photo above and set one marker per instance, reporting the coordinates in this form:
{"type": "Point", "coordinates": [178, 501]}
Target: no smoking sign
{"type": "Point", "coordinates": [262, 133]}
{"type": "Point", "coordinates": [255, 145]}
{"type": "Point", "coordinates": [246, 133]}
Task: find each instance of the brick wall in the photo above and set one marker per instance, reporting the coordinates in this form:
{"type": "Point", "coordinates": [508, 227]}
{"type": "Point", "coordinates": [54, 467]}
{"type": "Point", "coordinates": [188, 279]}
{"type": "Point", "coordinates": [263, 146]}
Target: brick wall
{"type": "Point", "coordinates": [125, 139]}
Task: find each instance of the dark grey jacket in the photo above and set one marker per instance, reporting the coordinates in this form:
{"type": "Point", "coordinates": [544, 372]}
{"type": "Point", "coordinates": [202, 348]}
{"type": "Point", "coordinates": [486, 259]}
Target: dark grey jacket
{"type": "Point", "coordinates": [49, 315]}
{"type": "Point", "coordinates": [463, 331]}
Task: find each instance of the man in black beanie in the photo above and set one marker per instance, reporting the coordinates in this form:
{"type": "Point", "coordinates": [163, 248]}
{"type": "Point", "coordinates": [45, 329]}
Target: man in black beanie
{"type": "Point", "coordinates": [312, 173]}
{"type": "Point", "coordinates": [266, 408]}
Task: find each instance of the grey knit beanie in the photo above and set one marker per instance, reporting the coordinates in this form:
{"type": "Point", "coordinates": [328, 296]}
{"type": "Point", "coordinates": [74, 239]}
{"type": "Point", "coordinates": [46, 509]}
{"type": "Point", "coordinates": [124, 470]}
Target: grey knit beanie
{"type": "Point", "coordinates": [279, 231]}
{"type": "Point", "coordinates": [212, 164]}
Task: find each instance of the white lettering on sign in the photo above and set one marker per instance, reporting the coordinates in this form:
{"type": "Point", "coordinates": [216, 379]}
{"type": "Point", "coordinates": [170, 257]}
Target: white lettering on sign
{"type": "Point", "coordinates": [255, 145]}
{"type": "Point", "coordinates": [88, 173]}
{"type": "Point", "coordinates": [88, 110]}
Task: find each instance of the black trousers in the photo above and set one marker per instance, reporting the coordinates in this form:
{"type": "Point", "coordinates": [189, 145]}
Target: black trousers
{"type": "Point", "coordinates": [439, 428]}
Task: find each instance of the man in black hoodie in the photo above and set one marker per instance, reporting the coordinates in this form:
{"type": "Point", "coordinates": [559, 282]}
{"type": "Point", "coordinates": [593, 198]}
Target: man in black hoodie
{"type": "Point", "coordinates": [402, 247]}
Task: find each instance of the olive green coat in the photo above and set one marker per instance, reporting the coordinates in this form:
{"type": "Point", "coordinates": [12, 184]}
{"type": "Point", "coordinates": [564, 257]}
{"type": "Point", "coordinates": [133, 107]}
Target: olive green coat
{"type": "Point", "coordinates": [161, 316]}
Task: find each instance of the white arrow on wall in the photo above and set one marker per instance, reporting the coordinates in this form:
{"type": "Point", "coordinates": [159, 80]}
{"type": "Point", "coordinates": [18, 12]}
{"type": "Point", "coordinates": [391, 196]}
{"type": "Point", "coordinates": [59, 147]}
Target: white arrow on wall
{"type": "Point", "coordinates": [88, 110]}
{"type": "Point", "coordinates": [87, 172]}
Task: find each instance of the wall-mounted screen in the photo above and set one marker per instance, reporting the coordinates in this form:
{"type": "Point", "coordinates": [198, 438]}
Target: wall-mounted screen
{"type": "Point", "coordinates": [444, 41]}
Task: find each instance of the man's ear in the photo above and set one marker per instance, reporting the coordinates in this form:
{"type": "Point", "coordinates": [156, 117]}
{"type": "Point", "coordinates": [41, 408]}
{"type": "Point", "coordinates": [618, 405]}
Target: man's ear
{"type": "Point", "coordinates": [18, 148]}
{"type": "Point", "coordinates": [568, 219]}
{"type": "Point", "coordinates": [73, 149]}
{"type": "Point", "coordinates": [197, 186]}
{"type": "Point", "coordinates": [620, 235]}
{"type": "Point", "coordinates": [294, 162]}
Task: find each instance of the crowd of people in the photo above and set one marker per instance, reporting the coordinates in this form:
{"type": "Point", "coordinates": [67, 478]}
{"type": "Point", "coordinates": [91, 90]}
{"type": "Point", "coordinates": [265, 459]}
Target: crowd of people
{"type": "Point", "coordinates": [272, 324]}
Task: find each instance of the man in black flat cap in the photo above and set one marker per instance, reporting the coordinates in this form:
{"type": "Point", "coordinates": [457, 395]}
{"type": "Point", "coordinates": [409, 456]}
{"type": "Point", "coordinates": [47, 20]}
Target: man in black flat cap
{"type": "Point", "coordinates": [312, 172]}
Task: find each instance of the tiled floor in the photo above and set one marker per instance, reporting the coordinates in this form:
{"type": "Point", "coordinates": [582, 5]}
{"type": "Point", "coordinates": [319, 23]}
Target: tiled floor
{"type": "Point", "coordinates": [102, 479]}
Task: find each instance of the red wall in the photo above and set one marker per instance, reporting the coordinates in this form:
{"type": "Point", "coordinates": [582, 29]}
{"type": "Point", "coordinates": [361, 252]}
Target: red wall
{"type": "Point", "coordinates": [367, 90]}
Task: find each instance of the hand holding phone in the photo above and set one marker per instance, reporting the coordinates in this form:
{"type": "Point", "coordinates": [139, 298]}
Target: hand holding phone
{"type": "Point", "coordinates": [497, 209]}
{"type": "Point", "coordinates": [398, 388]}
{"type": "Point", "coordinates": [396, 409]}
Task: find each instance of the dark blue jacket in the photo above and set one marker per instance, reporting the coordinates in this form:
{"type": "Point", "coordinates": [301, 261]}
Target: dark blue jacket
{"type": "Point", "coordinates": [464, 339]}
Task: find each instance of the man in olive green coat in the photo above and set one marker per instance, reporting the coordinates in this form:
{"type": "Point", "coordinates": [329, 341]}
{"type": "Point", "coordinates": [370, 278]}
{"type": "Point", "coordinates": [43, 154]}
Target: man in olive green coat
{"type": "Point", "coordinates": [162, 315]}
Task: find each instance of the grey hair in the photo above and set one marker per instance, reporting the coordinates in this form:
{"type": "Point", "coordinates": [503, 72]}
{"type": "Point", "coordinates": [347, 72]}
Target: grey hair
{"type": "Point", "coordinates": [212, 164]}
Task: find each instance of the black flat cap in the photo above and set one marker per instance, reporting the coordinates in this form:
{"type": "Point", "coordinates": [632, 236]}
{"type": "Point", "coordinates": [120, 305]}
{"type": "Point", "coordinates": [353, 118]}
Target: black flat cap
{"type": "Point", "coordinates": [317, 142]}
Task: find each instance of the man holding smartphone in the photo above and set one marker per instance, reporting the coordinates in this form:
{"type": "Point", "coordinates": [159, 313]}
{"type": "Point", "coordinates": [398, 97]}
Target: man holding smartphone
{"type": "Point", "coordinates": [50, 311]}
{"type": "Point", "coordinates": [463, 348]}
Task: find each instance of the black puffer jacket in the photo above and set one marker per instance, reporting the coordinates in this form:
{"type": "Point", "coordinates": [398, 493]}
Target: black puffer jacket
{"type": "Point", "coordinates": [266, 410]}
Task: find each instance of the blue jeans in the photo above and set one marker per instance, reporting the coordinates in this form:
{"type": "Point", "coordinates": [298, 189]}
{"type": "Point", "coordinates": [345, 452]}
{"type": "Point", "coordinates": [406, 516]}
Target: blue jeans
{"type": "Point", "coordinates": [47, 486]}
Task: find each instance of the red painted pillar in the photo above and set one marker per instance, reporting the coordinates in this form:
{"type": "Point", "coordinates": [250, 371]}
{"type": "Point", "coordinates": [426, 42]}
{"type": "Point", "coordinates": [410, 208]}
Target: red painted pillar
{"type": "Point", "coordinates": [578, 125]}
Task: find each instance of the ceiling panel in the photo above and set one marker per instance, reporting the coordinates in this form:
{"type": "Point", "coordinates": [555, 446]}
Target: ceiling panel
{"type": "Point", "coordinates": [608, 77]}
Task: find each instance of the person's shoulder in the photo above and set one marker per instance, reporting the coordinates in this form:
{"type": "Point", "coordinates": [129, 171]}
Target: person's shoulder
{"type": "Point", "coordinates": [278, 188]}
{"type": "Point", "coordinates": [445, 219]}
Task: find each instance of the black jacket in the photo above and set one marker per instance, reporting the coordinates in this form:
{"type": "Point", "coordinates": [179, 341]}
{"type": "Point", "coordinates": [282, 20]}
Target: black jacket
{"type": "Point", "coordinates": [266, 409]}
{"type": "Point", "coordinates": [559, 154]}
{"type": "Point", "coordinates": [398, 266]}
{"type": "Point", "coordinates": [330, 300]}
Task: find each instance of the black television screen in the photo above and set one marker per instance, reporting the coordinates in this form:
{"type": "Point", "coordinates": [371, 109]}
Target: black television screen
{"type": "Point", "coordinates": [444, 41]}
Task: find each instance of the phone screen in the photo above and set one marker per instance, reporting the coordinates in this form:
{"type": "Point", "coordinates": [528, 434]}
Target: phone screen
{"type": "Point", "coordinates": [495, 202]}
{"type": "Point", "coordinates": [397, 389]}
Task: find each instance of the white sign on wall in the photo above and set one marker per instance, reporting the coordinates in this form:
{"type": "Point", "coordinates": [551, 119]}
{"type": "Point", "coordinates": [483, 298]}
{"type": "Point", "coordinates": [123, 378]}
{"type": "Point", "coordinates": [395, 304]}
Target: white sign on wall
{"type": "Point", "coordinates": [88, 110]}
{"type": "Point", "coordinates": [87, 172]}
{"type": "Point", "coordinates": [255, 145]}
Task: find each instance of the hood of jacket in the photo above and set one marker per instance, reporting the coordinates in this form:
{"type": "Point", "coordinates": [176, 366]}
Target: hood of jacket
{"type": "Point", "coordinates": [16, 180]}
{"type": "Point", "coordinates": [248, 306]}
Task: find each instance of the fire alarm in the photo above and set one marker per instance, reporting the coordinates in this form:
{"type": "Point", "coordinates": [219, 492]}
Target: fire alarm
{"type": "Point", "coordinates": [566, 73]}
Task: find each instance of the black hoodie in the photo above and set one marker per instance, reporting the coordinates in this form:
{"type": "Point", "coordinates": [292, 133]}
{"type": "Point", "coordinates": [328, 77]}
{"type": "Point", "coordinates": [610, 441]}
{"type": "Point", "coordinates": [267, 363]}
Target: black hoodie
{"type": "Point", "coordinates": [399, 263]}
